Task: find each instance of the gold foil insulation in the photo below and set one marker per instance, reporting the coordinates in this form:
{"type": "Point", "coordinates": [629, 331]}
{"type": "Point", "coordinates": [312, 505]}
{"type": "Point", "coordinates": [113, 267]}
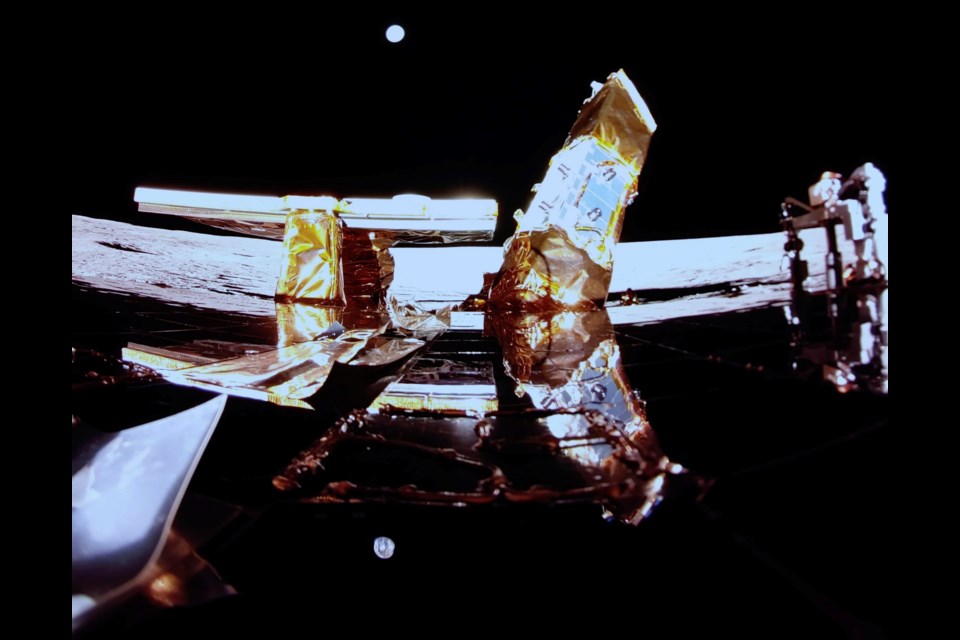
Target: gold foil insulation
{"type": "Point", "coordinates": [569, 360]}
{"type": "Point", "coordinates": [310, 339]}
{"type": "Point", "coordinates": [284, 376]}
{"type": "Point", "coordinates": [367, 266]}
{"type": "Point", "coordinates": [329, 263]}
{"type": "Point", "coordinates": [561, 255]}
{"type": "Point", "coordinates": [545, 270]}
{"type": "Point", "coordinates": [585, 438]}
{"type": "Point", "coordinates": [295, 372]}
{"type": "Point", "coordinates": [412, 319]}
{"type": "Point", "coordinates": [618, 117]}
{"type": "Point", "coordinates": [299, 322]}
{"type": "Point", "coordinates": [312, 243]}
{"type": "Point", "coordinates": [304, 321]}
{"type": "Point", "coordinates": [569, 365]}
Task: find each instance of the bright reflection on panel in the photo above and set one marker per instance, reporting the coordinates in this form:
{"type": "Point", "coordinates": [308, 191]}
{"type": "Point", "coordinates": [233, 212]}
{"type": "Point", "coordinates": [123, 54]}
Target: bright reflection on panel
{"type": "Point", "coordinates": [413, 218]}
{"type": "Point", "coordinates": [561, 256]}
{"type": "Point", "coordinates": [202, 200]}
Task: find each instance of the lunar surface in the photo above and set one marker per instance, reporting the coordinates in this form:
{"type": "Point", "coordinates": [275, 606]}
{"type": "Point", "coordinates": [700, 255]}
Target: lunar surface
{"type": "Point", "coordinates": [239, 274]}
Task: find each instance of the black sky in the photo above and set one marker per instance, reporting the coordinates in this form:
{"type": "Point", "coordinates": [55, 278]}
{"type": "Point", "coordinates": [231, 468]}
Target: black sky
{"type": "Point", "coordinates": [750, 109]}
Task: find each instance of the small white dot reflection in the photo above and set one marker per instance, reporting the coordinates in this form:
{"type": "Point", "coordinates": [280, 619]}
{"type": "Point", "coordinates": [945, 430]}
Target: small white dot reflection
{"type": "Point", "coordinates": [395, 33]}
{"type": "Point", "coordinates": [384, 547]}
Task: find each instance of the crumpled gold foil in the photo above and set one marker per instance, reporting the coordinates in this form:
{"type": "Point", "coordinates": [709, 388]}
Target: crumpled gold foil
{"type": "Point", "coordinates": [618, 117]}
{"type": "Point", "coordinates": [569, 359]}
{"type": "Point", "coordinates": [569, 365]}
{"type": "Point", "coordinates": [311, 259]}
{"type": "Point", "coordinates": [310, 338]}
{"type": "Point", "coordinates": [382, 350]}
{"type": "Point", "coordinates": [301, 322]}
{"type": "Point", "coordinates": [367, 266]}
{"type": "Point", "coordinates": [328, 262]}
{"type": "Point", "coordinates": [409, 317]}
{"type": "Point", "coordinates": [294, 372]}
{"type": "Point", "coordinates": [585, 438]}
{"type": "Point", "coordinates": [304, 321]}
{"type": "Point", "coordinates": [283, 376]}
{"type": "Point", "coordinates": [561, 256]}
{"type": "Point", "coordinates": [546, 271]}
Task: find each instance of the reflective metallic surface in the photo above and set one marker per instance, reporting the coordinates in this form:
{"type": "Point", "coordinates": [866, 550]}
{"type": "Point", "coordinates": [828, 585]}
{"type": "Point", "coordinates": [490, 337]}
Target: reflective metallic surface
{"type": "Point", "coordinates": [628, 434]}
{"type": "Point", "coordinates": [572, 410]}
{"type": "Point", "coordinates": [532, 421]}
{"type": "Point", "coordinates": [302, 322]}
{"type": "Point", "coordinates": [239, 274]}
{"type": "Point", "coordinates": [312, 244]}
{"type": "Point", "coordinates": [126, 490]}
{"type": "Point", "coordinates": [410, 218]}
{"type": "Point", "coordinates": [289, 373]}
{"type": "Point", "coordinates": [561, 256]}
{"type": "Point", "coordinates": [310, 339]}
{"type": "Point", "coordinates": [852, 352]}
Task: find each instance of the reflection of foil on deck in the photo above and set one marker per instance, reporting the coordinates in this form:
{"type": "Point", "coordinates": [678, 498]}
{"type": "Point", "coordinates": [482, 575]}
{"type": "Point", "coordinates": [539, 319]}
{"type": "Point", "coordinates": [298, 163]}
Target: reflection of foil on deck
{"type": "Point", "coordinates": [440, 386]}
{"type": "Point", "coordinates": [460, 461]}
{"type": "Point", "coordinates": [439, 436]}
{"type": "Point", "coordinates": [287, 375]}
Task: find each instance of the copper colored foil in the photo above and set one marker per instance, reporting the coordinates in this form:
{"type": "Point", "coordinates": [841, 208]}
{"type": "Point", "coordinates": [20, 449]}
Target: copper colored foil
{"type": "Point", "coordinates": [569, 365]}
{"type": "Point", "coordinates": [544, 270]}
{"type": "Point", "coordinates": [327, 262]}
{"type": "Point", "coordinates": [560, 256]}
{"type": "Point", "coordinates": [571, 360]}
{"type": "Point", "coordinates": [618, 117]}
{"type": "Point", "coordinates": [367, 266]}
